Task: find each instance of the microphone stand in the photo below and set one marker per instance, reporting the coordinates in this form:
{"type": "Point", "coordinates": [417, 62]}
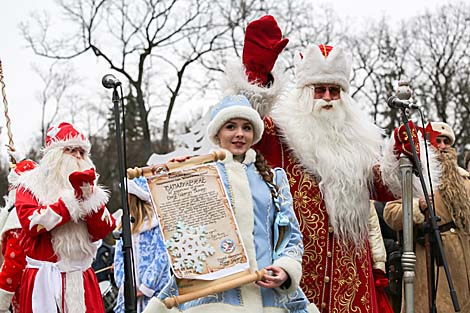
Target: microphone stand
{"type": "Point", "coordinates": [130, 303]}
{"type": "Point", "coordinates": [433, 226]}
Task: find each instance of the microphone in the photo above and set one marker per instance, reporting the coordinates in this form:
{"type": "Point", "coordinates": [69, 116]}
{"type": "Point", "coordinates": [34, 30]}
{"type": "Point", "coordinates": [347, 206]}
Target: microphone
{"type": "Point", "coordinates": [109, 81]}
{"type": "Point", "coordinates": [395, 103]}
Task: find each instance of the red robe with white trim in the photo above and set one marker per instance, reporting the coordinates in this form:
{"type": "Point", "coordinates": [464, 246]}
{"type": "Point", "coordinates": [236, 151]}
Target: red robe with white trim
{"type": "Point", "coordinates": [13, 265]}
{"type": "Point", "coordinates": [37, 242]}
{"type": "Point", "coordinates": [335, 279]}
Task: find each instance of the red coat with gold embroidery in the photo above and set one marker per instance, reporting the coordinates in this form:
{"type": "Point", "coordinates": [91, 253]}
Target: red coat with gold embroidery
{"type": "Point", "coordinates": [334, 278]}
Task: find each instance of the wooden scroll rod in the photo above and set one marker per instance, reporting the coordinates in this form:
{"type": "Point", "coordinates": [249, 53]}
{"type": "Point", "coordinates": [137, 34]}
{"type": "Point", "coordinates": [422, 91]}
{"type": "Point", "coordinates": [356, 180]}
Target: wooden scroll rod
{"type": "Point", "coordinates": [155, 169]}
{"type": "Point", "coordinates": [171, 302]}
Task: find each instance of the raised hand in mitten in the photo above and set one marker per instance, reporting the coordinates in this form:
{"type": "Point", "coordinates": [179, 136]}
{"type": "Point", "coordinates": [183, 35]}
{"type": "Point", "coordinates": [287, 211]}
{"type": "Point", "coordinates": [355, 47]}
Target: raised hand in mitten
{"type": "Point", "coordinates": [263, 43]}
{"type": "Point", "coordinates": [403, 142]}
{"type": "Point", "coordinates": [82, 183]}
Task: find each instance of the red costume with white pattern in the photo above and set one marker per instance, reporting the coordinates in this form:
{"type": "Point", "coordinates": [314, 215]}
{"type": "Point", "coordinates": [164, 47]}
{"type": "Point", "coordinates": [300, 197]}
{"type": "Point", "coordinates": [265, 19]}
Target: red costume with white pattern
{"type": "Point", "coordinates": [12, 252]}
{"type": "Point", "coordinates": [62, 222]}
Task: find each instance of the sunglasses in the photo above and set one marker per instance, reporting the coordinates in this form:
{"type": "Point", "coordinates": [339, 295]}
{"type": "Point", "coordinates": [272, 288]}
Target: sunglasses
{"type": "Point", "coordinates": [444, 140]}
{"type": "Point", "coordinates": [333, 90]}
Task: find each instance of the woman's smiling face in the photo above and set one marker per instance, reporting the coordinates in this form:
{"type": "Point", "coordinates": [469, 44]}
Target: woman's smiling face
{"type": "Point", "coordinates": [236, 136]}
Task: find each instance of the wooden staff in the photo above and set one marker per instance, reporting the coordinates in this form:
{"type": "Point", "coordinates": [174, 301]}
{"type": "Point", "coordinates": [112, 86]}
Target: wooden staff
{"type": "Point", "coordinates": [7, 117]}
{"type": "Point", "coordinates": [171, 302]}
{"type": "Point", "coordinates": [169, 166]}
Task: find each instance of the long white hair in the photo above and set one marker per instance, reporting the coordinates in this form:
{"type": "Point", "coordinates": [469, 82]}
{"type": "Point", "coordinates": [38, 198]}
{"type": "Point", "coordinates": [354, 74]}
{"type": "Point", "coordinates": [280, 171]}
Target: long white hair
{"type": "Point", "coordinates": [58, 166]}
{"type": "Point", "coordinates": [339, 146]}
{"type": "Point", "coordinates": [71, 240]}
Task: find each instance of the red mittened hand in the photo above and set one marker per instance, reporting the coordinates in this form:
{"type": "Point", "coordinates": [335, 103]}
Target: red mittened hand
{"type": "Point", "coordinates": [380, 278]}
{"type": "Point", "coordinates": [263, 44]}
{"type": "Point", "coordinates": [403, 143]}
{"type": "Point", "coordinates": [82, 183]}
{"type": "Point", "coordinates": [381, 281]}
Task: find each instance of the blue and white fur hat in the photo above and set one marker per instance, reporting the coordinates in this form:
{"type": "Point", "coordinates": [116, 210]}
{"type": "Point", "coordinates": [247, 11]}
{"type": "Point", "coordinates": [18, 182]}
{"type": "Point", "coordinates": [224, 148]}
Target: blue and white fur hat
{"type": "Point", "coordinates": [138, 187]}
{"type": "Point", "coordinates": [231, 107]}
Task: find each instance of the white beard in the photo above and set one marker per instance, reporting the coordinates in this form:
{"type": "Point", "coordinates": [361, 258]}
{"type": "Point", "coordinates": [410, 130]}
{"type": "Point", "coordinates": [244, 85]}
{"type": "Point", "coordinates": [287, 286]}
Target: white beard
{"type": "Point", "coordinates": [71, 240]}
{"type": "Point", "coordinates": [339, 147]}
{"type": "Point", "coordinates": [58, 166]}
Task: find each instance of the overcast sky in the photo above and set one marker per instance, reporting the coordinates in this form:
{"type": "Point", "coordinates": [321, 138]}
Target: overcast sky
{"type": "Point", "coordinates": [23, 84]}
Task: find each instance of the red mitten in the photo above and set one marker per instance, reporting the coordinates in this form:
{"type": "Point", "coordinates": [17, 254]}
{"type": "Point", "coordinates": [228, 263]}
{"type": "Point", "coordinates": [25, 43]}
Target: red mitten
{"type": "Point", "coordinates": [403, 143]}
{"type": "Point", "coordinates": [263, 43]}
{"type": "Point", "coordinates": [82, 183]}
{"type": "Point", "coordinates": [381, 281]}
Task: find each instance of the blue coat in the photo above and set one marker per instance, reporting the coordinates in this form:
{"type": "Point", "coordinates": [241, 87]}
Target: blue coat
{"type": "Point", "coordinates": [151, 263]}
{"type": "Point", "coordinates": [255, 217]}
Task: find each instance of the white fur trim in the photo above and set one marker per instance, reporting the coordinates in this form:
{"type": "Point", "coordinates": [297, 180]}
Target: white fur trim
{"type": "Point", "coordinates": [243, 209]}
{"type": "Point", "coordinates": [69, 142]}
{"type": "Point", "coordinates": [228, 308]}
{"type": "Point", "coordinates": [315, 68]}
{"type": "Point", "coordinates": [156, 305]}
{"type": "Point", "coordinates": [46, 218]}
{"type": "Point", "coordinates": [74, 295]}
{"type": "Point", "coordinates": [312, 308]}
{"type": "Point", "coordinates": [445, 130]}
{"type": "Point", "coordinates": [5, 300]}
{"type": "Point", "coordinates": [72, 204]}
{"type": "Point", "coordinates": [95, 202]}
{"type": "Point", "coordinates": [146, 290]}
{"type": "Point", "coordinates": [13, 177]}
{"type": "Point", "coordinates": [377, 246]}
{"type": "Point", "coordinates": [463, 172]}
{"type": "Point", "coordinates": [293, 269]}
{"type": "Point", "coordinates": [12, 222]}
{"type": "Point", "coordinates": [235, 111]}
{"type": "Point", "coordinates": [261, 98]}
{"type": "Point", "coordinates": [390, 168]}
{"type": "Point", "coordinates": [135, 190]}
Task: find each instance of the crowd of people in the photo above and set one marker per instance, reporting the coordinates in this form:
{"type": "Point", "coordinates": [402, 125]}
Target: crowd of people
{"type": "Point", "coordinates": [306, 153]}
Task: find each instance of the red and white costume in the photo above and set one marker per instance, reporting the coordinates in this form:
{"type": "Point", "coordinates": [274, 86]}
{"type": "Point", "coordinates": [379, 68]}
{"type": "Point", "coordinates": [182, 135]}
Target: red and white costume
{"type": "Point", "coordinates": [60, 231]}
{"type": "Point", "coordinates": [12, 252]}
{"type": "Point", "coordinates": [13, 263]}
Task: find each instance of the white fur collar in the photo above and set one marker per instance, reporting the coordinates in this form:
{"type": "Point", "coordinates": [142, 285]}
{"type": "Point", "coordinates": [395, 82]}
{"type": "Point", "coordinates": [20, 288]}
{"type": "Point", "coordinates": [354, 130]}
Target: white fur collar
{"type": "Point", "coordinates": [250, 157]}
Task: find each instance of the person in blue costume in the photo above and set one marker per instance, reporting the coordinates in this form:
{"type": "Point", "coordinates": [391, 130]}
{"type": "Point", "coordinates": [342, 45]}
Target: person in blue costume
{"type": "Point", "coordinates": [262, 204]}
{"type": "Point", "coordinates": [150, 259]}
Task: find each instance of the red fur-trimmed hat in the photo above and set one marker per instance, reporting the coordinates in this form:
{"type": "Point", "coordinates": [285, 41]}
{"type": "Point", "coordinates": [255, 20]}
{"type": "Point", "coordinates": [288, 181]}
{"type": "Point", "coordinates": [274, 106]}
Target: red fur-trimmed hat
{"type": "Point", "coordinates": [20, 167]}
{"type": "Point", "coordinates": [65, 135]}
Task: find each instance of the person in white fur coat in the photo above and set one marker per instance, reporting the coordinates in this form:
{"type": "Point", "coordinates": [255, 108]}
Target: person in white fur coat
{"type": "Point", "coordinates": [235, 126]}
{"type": "Point", "coordinates": [63, 214]}
{"type": "Point", "coordinates": [13, 262]}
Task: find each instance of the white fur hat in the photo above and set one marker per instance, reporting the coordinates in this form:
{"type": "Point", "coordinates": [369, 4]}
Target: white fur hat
{"type": "Point", "coordinates": [323, 65]}
{"type": "Point", "coordinates": [234, 107]}
{"type": "Point", "coordinates": [445, 130]}
{"type": "Point", "coordinates": [138, 187]}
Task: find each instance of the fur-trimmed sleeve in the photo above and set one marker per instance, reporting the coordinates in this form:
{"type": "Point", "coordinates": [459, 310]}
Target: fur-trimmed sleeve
{"type": "Point", "coordinates": [390, 168]}
{"type": "Point", "coordinates": [36, 219]}
{"type": "Point", "coordinates": [100, 223]}
{"type": "Point", "coordinates": [377, 246]}
{"type": "Point", "coordinates": [261, 98]}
